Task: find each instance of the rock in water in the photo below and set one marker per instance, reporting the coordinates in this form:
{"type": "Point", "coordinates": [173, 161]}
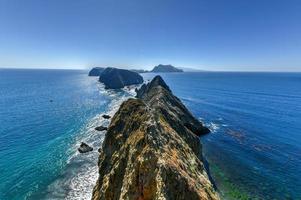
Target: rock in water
{"type": "Point", "coordinates": [165, 68]}
{"type": "Point", "coordinates": [96, 71]}
{"type": "Point", "coordinates": [152, 150]}
{"type": "Point", "coordinates": [114, 78]}
{"type": "Point", "coordinates": [106, 116]}
{"type": "Point", "coordinates": [101, 128]}
{"type": "Point", "coordinates": [84, 148]}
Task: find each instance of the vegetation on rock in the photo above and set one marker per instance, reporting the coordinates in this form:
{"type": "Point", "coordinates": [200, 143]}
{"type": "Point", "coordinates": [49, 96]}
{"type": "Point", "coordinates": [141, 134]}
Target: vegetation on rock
{"type": "Point", "coordinates": [152, 150]}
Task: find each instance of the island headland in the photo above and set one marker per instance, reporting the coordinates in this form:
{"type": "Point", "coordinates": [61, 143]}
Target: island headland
{"type": "Point", "coordinates": [152, 150]}
{"type": "Point", "coordinates": [114, 78]}
{"type": "Point", "coordinates": [96, 71]}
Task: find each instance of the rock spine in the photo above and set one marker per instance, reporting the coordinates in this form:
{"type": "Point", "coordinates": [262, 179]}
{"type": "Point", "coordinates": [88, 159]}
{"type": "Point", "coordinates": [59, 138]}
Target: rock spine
{"type": "Point", "coordinates": [152, 150]}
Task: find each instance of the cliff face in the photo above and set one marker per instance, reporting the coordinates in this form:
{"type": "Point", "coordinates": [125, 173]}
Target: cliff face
{"type": "Point", "coordinates": [96, 71]}
{"type": "Point", "coordinates": [114, 78]}
{"type": "Point", "coordinates": [152, 151]}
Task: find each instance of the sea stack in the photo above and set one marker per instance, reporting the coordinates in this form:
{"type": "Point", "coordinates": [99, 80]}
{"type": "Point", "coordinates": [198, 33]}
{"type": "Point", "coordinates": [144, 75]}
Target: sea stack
{"type": "Point", "coordinates": [114, 78]}
{"type": "Point", "coordinates": [152, 150]}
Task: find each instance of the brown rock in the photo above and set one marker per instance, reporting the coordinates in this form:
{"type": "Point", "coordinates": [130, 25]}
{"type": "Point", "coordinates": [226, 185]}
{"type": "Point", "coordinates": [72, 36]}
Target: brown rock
{"type": "Point", "coordinates": [152, 151]}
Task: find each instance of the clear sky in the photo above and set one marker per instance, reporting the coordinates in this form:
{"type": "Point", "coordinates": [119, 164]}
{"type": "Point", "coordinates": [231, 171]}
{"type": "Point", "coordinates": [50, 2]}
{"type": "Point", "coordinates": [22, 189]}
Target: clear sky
{"type": "Point", "coordinates": [243, 35]}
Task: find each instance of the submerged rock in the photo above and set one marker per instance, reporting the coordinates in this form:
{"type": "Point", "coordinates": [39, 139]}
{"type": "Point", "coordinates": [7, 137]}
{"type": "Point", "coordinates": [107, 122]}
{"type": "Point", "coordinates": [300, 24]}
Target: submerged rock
{"type": "Point", "coordinates": [152, 150]}
{"type": "Point", "coordinates": [96, 71]}
{"type": "Point", "coordinates": [101, 128]}
{"type": "Point", "coordinates": [114, 78]}
{"type": "Point", "coordinates": [84, 148]}
{"type": "Point", "coordinates": [106, 116]}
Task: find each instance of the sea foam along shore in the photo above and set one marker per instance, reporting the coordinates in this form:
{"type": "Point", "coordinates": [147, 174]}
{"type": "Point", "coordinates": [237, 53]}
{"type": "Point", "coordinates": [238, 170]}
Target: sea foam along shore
{"type": "Point", "coordinates": [80, 175]}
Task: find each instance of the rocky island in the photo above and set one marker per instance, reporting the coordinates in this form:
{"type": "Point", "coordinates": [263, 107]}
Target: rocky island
{"type": "Point", "coordinates": [96, 71]}
{"type": "Point", "coordinates": [152, 150]}
{"type": "Point", "coordinates": [165, 68]}
{"type": "Point", "coordinates": [114, 78]}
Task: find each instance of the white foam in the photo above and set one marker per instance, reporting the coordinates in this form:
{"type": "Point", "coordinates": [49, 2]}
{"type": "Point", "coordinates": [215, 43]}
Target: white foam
{"type": "Point", "coordinates": [81, 173]}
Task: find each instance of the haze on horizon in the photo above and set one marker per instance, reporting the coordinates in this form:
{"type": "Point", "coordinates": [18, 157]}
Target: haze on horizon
{"type": "Point", "coordinates": [217, 35]}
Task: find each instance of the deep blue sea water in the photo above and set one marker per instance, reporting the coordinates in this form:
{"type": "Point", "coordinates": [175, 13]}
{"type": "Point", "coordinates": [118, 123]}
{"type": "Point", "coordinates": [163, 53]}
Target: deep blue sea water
{"type": "Point", "coordinates": [254, 150]}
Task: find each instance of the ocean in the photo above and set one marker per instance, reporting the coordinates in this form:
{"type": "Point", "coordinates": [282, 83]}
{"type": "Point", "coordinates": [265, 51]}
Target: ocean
{"type": "Point", "coordinates": [253, 150]}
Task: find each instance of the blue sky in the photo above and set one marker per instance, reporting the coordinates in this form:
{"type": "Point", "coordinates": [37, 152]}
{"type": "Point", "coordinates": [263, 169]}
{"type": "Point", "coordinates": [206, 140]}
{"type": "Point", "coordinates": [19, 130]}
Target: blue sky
{"type": "Point", "coordinates": [228, 35]}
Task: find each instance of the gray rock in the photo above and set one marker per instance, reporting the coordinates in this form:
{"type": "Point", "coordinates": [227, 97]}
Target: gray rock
{"type": "Point", "coordinates": [84, 148]}
{"type": "Point", "coordinates": [106, 116]}
{"type": "Point", "coordinates": [101, 128]}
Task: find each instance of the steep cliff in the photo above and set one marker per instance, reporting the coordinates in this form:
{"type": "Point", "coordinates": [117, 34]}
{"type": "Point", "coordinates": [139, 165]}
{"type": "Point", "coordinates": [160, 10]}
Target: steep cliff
{"type": "Point", "coordinates": [114, 78]}
{"type": "Point", "coordinates": [96, 71]}
{"type": "Point", "coordinates": [152, 150]}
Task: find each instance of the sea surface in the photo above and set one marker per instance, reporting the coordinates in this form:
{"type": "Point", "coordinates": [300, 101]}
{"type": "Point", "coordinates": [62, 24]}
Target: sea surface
{"type": "Point", "coordinates": [253, 150]}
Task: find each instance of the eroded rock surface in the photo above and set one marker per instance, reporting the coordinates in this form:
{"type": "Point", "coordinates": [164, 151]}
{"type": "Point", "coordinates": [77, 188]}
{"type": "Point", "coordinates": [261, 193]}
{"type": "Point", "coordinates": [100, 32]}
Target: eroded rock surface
{"type": "Point", "coordinates": [152, 150]}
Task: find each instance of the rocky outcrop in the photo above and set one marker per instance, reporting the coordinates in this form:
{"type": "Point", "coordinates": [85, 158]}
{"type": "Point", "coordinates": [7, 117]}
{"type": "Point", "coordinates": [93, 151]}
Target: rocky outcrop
{"type": "Point", "coordinates": [106, 116]}
{"type": "Point", "coordinates": [84, 148]}
{"type": "Point", "coordinates": [101, 128]}
{"type": "Point", "coordinates": [96, 71]}
{"type": "Point", "coordinates": [165, 68]}
{"type": "Point", "coordinates": [152, 150]}
{"type": "Point", "coordinates": [114, 78]}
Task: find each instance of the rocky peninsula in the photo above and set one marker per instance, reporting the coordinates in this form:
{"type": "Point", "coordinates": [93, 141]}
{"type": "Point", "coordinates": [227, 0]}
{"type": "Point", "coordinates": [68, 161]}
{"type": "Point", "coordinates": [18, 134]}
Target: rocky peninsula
{"type": "Point", "coordinates": [152, 150]}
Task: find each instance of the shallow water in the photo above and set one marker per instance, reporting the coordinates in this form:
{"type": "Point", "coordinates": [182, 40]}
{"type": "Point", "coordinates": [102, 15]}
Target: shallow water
{"type": "Point", "coordinates": [254, 149]}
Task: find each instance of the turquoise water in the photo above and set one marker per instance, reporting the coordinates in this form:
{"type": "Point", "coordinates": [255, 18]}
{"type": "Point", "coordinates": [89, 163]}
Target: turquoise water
{"type": "Point", "coordinates": [254, 150]}
{"type": "Point", "coordinates": [44, 115]}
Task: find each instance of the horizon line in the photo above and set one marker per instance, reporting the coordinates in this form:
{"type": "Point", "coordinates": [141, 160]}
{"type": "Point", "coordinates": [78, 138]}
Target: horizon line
{"type": "Point", "coordinates": [189, 69]}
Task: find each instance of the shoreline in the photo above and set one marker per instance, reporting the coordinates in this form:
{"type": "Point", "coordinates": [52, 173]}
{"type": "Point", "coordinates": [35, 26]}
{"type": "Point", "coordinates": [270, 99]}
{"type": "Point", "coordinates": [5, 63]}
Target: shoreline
{"type": "Point", "coordinates": [81, 170]}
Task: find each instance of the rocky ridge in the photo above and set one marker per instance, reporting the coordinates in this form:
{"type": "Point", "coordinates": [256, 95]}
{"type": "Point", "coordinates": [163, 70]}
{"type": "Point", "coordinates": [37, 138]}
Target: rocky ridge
{"type": "Point", "coordinates": [152, 150]}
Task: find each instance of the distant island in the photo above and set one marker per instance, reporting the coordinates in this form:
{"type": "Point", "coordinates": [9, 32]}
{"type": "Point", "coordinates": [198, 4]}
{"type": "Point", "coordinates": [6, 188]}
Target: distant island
{"type": "Point", "coordinates": [114, 78]}
{"type": "Point", "coordinates": [96, 71]}
{"type": "Point", "coordinates": [165, 68]}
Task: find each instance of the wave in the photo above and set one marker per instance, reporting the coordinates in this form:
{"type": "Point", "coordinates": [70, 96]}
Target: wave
{"type": "Point", "coordinates": [213, 127]}
{"type": "Point", "coordinates": [81, 172]}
